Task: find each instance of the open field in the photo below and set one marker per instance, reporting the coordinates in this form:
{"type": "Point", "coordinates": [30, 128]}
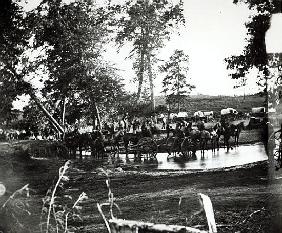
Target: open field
{"type": "Point", "coordinates": [216, 103]}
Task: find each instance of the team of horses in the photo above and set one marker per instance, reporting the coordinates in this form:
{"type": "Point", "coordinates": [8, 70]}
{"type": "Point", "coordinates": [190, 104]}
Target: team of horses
{"type": "Point", "coordinates": [185, 139]}
{"type": "Point", "coordinates": [100, 143]}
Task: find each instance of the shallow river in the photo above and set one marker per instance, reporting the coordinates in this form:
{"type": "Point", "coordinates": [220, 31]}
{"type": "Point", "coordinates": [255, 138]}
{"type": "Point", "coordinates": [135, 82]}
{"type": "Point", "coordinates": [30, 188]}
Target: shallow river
{"type": "Point", "coordinates": [241, 155]}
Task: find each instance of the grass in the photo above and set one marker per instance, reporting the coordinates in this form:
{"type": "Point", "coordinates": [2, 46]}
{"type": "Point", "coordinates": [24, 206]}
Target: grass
{"type": "Point", "coordinates": [57, 209]}
{"type": "Point", "coordinates": [216, 103]}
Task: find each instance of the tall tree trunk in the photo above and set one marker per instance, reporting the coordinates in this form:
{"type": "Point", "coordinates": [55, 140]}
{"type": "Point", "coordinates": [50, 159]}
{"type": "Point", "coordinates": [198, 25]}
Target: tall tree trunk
{"type": "Point", "coordinates": [141, 72]}
{"type": "Point", "coordinates": [96, 116]}
{"type": "Point", "coordinates": [271, 165]}
{"type": "Point", "coordinates": [178, 88]}
{"type": "Point", "coordinates": [64, 116]}
{"type": "Point", "coordinates": [53, 121]}
{"type": "Point", "coordinates": [151, 80]}
{"type": "Point", "coordinates": [167, 121]}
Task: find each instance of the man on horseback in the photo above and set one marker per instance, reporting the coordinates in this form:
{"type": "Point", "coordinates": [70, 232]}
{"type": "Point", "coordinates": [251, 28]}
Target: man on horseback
{"type": "Point", "coordinates": [179, 136]}
{"type": "Point", "coordinates": [200, 125]}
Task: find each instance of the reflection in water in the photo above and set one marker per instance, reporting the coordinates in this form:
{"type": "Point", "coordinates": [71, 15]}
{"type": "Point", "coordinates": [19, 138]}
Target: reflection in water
{"type": "Point", "coordinates": [238, 156]}
{"type": "Point", "coordinates": [202, 161]}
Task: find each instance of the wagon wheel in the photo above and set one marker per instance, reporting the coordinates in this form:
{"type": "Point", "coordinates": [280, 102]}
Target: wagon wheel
{"type": "Point", "coordinates": [148, 147]}
{"type": "Point", "coordinates": [276, 141]}
{"type": "Point", "coordinates": [278, 159]}
{"type": "Point", "coordinates": [277, 136]}
{"type": "Point", "coordinates": [186, 147]}
{"type": "Point", "coordinates": [172, 147]}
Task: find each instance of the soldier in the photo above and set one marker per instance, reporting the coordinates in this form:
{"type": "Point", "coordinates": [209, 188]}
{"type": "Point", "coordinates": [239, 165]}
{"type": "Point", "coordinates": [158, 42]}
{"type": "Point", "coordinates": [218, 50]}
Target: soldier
{"type": "Point", "coordinates": [200, 125]}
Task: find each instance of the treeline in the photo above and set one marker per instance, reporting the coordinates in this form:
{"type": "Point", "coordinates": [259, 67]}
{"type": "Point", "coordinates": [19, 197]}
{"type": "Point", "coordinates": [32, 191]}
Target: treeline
{"type": "Point", "coordinates": [60, 47]}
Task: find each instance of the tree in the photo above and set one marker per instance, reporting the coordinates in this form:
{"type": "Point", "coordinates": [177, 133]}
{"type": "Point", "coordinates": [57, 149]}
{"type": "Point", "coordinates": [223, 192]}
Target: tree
{"type": "Point", "coordinates": [15, 34]}
{"type": "Point", "coordinates": [13, 39]}
{"type": "Point", "coordinates": [147, 24]}
{"type": "Point", "coordinates": [76, 33]}
{"type": "Point", "coordinates": [175, 84]}
{"type": "Point", "coordinates": [255, 54]}
{"type": "Point", "coordinates": [100, 92]}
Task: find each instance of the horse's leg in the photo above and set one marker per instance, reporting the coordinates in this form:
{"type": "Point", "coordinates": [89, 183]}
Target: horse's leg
{"type": "Point", "coordinates": [201, 148]}
{"type": "Point", "coordinates": [237, 139]}
{"type": "Point", "coordinates": [80, 151]}
{"type": "Point", "coordinates": [227, 144]}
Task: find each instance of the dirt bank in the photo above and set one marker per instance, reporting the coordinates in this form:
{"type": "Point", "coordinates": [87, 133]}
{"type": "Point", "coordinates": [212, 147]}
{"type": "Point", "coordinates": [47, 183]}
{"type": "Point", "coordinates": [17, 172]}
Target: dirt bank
{"type": "Point", "coordinates": [243, 199]}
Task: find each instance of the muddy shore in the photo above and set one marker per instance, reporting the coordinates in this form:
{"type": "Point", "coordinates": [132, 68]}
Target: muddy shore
{"type": "Point", "coordinates": [243, 199]}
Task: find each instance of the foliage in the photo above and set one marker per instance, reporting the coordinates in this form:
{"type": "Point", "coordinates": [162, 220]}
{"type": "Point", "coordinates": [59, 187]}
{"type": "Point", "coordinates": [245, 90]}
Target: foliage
{"type": "Point", "coordinates": [57, 215]}
{"type": "Point", "coordinates": [76, 34]}
{"type": "Point", "coordinates": [13, 39]}
{"type": "Point", "coordinates": [254, 54]}
{"type": "Point", "coordinates": [147, 24]}
{"type": "Point", "coordinates": [111, 202]}
{"type": "Point", "coordinates": [175, 84]}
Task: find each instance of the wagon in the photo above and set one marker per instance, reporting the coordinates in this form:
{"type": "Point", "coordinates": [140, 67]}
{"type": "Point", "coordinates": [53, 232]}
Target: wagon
{"type": "Point", "coordinates": [255, 123]}
{"type": "Point", "coordinates": [146, 148]}
{"type": "Point", "coordinates": [182, 147]}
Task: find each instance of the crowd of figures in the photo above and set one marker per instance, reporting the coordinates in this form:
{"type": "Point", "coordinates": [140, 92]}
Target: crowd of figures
{"type": "Point", "coordinates": [180, 138]}
{"type": "Point", "coordinates": [112, 137]}
{"type": "Point", "coordinates": [187, 139]}
{"type": "Point", "coordinates": [132, 136]}
{"type": "Point", "coordinates": [124, 137]}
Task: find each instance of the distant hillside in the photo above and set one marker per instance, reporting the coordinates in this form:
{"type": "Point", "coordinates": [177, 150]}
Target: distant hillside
{"type": "Point", "coordinates": [216, 103]}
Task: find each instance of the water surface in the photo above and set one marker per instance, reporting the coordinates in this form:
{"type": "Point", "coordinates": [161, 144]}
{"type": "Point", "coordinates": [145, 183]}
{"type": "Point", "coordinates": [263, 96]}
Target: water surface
{"type": "Point", "coordinates": [241, 155]}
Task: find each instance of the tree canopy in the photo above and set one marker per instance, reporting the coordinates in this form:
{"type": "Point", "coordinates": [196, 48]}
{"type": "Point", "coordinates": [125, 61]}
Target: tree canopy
{"type": "Point", "coordinates": [62, 44]}
{"type": "Point", "coordinates": [175, 85]}
{"type": "Point", "coordinates": [254, 54]}
{"type": "Point", "coordinates": [147, 24]}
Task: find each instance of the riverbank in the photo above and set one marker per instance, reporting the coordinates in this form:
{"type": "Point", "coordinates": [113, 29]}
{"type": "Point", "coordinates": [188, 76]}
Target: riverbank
{"type": "Point", "coordinates": [243, 199]}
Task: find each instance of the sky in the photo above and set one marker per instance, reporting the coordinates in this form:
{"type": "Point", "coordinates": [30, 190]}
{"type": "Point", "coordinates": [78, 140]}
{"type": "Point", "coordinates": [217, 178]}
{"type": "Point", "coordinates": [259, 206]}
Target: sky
{"type": "Point", "coordinates": [214, 30]}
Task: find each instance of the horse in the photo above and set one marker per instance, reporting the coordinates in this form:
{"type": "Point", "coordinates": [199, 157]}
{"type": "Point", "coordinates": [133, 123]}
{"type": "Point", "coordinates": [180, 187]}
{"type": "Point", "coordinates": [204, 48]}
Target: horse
{"type": "Point", "coordinates": [125, 138]}
{"type": "Point", "coordinates": [72, 142]}
{"type": "Point", "coordinates": [97, 144]}
{"type": "Point", "coordinates": [216, 132]}
{"type": "Point", "coordinates": [232, 130]}
{"type": "Point", "coordinates": [205, 136]}
{"type": "Point", "coordinates": [93, 141]}
{"type": "Point", "coordinates": [214, 140]}
{"type": "Point", "coordinates": [195, 138]}
{"type": "Point", "coordinates": [237, 131]}
{"type": "Point", "coordinates": [174, 143]}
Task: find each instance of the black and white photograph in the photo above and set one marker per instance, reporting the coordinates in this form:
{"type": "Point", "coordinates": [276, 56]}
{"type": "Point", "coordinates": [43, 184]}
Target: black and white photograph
{"type": "Point", "coordinates": [140, 116]}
